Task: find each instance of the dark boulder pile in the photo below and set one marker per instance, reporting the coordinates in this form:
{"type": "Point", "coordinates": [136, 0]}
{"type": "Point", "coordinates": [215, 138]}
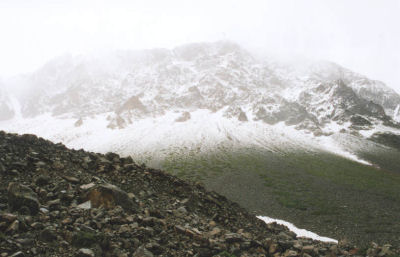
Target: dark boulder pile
{"type": "Point", "coordinates": [60, 202]}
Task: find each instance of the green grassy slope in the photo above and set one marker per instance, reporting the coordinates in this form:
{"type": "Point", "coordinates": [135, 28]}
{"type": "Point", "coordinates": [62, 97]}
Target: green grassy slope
{"type": "Point", "coordinates": [319, 191]}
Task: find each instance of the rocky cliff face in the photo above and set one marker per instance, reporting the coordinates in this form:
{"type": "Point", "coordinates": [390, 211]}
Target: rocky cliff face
{"type": "Point", "coordinates": [60, 202]}
{"type": "Point", "coordinates": [213, 76]}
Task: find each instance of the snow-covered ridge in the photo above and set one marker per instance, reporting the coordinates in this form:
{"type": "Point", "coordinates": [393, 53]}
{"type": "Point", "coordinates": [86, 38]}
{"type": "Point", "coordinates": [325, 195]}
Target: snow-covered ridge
{"type": "Point", "coordinates": [153, 103]}
{"type": "Point", "coordinates": [154, 138]}
{"type": "Point", "coordinates": [196, 94]}
{"type": "Point", "coordinates": [203, 75]}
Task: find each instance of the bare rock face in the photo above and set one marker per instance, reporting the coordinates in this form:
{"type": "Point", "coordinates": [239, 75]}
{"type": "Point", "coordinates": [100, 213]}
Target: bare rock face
{"type": "Point", "coordinates": [117, 122]}
{"type": "Point", "coordinates": [79, 122]}
{"type": "Point", "coordinates": [133, 103]}
{"type": "Point", "coordinates": [388, 139]}
{"type": "Point", "coordinates": [184, 117]}
{"type": "Point", "coordinates": [20, 196]}
{"type": "Point", "coordinates": [242, 116]}
{"type": "Point", "coordinates": [211, 76]}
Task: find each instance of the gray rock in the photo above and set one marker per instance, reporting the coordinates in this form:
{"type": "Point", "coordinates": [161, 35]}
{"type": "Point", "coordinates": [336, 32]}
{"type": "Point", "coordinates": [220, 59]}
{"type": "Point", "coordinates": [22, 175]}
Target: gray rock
{"type": "Point", "coordinates": [142, 252]}
{"type": "Point", "coordinates": [108, 196]}
{"type": "Point", "coordinates": [2, 169]}
{"type": "Point", "coordinates": [233, 237]}
{"type": "Point", "coordinates": [42, 180]}
{"type": "Point", "coordinates": [20, 195]}
{"type": "Point", "coordinates": [182, 210]}
{"type": "Point", "coordinates": [71, 179]}
{"type": "Point", "coordinates": [48, 235]}
{"type": "Point", "coordinates": [85, 252]}
{"type": "Point", "coordinates": [290, 253]}
{"type": "Point", "coordinates": [13, 228]}
{"type": "Point", "coordinates": [54, 205]}
{"type": "Point", "coordinates": [18, 254]}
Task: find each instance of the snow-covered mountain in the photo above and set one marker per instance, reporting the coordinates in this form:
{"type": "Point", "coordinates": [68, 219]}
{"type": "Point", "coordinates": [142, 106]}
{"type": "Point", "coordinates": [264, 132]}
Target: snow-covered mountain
{"type": "Point", "coordinates": [6, 106]}
{"type": "Point", "coordinates": [198, 94]}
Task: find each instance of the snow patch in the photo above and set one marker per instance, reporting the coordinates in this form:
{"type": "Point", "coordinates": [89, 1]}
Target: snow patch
{"type": "Point", "coordinates": [156, 137]}
{"type": "Point", "coordinates": [298, 231]}
{"type": "Point", "coordinates": [396, 115]}
{"type": "Point", "coordinates": [332, 146]}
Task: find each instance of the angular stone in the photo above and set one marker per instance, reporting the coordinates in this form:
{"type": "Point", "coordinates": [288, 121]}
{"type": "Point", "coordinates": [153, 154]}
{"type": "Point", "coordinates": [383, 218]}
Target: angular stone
{"type": "Point", "coordinates": [182, 210]}
{"type": "Point", "coordinates": [85, 206]}
{"type": "Point", "coordinates": [87, 186]}
{"type": "Point", "coordinates": [85, 252]}
{"type": "Point", "coordinates": [233, 237]}
{"type": "Point", "coordinates": [290, 253]}
{"type": "Point", "coordinates": [215, 231]}
{"type": "Point", "coordinates": [273, 248]}
{"type": "Point", "coordinates": [308, 248]}
{"type": "Point", "coordinates": [142, 252]}
{"type": "Point", "coordinates": [48, 235]}
{"type": "Point", "coordinates": [109, 196]}
{"type": "Point", "coordinates": [13, 227]}
{"type": "Point", "coordinates": [20, 195]}
{"type": "Point", "coordinates": [54, 205]}
{"type": "Point", "coordinates": [180, 229]}
{"type": "Point", "coordinates": [8, 217]}
{"type": "Point", "coordinates": [71, 179]}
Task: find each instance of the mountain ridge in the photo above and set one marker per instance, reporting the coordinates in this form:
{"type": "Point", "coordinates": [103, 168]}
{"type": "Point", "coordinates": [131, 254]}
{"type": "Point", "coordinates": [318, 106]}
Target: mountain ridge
{"type": "Point", "coordinates": [172, 109]}
{"type": "Point", "coordinates": [320, 98]}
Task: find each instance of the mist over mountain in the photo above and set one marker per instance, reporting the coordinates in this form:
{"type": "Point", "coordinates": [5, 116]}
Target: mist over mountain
{"type": "Point", "coordinates": [209, 76]}
{"type": "Point", "coordinates": [6, 108]}
{"type": "Point", "coordinates": [271, 135]}
{"type": "Point", "coordinates": [220, 84]}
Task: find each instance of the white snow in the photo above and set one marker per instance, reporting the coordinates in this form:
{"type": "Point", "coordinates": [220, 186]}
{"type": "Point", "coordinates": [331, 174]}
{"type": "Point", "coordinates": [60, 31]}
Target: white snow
{"type": "Point", "coordinates": [298, 231]}
{"type": "Point", "coordinates": [156, 137]}
{"type": "Point", "coordinates": [396, 115]}
{"type": "Point", "coordinates": [331, 145]}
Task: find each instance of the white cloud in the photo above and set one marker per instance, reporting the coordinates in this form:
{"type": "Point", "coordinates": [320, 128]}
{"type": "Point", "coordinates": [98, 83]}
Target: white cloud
{"type": "Point", "coordinates": [359, 34]}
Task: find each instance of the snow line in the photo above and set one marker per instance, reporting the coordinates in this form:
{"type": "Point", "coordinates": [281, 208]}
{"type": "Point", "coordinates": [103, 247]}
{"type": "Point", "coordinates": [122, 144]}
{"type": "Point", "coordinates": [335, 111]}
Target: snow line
{"type": "Point", "coordinates": [298, 231]}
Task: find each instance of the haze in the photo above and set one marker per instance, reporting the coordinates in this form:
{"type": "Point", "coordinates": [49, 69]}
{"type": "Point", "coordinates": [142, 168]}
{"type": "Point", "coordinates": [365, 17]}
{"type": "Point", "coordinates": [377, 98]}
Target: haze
{"type": "Point", "coordinates": [361, 35]}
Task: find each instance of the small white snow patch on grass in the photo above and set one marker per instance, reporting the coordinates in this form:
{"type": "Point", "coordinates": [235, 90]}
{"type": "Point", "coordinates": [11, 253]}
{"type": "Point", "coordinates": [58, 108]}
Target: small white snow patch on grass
{"type": "Point", "coordinates": [298, 231]}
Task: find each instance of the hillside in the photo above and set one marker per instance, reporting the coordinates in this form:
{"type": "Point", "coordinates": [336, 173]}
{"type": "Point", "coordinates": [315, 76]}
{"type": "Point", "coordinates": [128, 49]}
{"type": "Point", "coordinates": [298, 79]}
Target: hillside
{"type": "Point", "coordinates": [298, 141]}
{"type": "Point", "coordinates": [60, 202]}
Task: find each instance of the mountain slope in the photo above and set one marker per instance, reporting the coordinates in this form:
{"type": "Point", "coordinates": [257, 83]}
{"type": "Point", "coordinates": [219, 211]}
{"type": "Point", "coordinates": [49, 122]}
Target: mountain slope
{"type": "Point", "coordinates": [57, 201]}
{"type": "Point", "coordinates": [170, 108]}
{"type": "Point", "coordinates": [196, 76]}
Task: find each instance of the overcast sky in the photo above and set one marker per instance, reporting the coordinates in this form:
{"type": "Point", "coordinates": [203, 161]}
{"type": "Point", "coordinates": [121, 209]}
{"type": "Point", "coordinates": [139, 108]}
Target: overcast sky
{"type": "Point", "coordinates": [363, 35]}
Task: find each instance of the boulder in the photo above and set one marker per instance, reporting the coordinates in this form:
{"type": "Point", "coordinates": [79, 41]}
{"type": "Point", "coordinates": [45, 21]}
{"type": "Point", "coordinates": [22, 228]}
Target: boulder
{"type": "Point", "coordinates": [20, 196]}
{"type": "Point", "coordinates": [108, 196]}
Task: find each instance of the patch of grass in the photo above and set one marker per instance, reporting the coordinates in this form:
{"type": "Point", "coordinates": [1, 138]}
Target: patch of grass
{"type": "Point", "coordinates": [286, 200]}
{"type": "Point", "coordinates": [311, 189]}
